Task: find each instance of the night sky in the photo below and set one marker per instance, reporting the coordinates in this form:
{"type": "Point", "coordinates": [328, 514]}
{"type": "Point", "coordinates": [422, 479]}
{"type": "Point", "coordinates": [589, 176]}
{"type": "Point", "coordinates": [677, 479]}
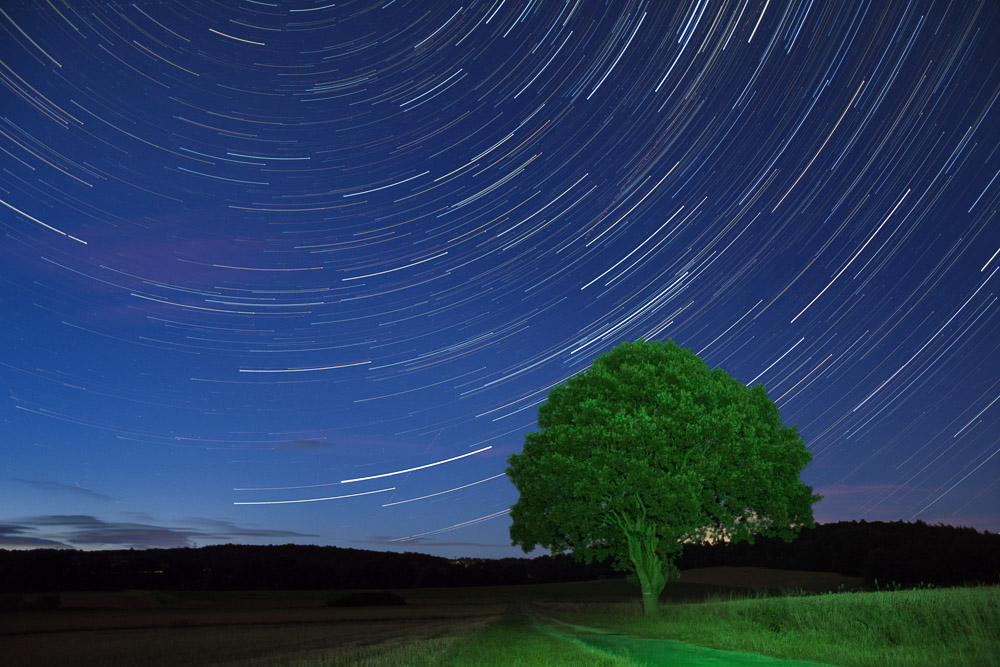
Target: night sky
{"type": "Point", "coordinates": [303, 271]}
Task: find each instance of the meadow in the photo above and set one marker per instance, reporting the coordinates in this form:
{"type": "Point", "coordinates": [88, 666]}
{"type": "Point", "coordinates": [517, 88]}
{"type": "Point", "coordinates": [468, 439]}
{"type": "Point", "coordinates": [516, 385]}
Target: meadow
{"type": "Point", "coordinates": [800, 616]}
{"type": "Point", "coordinates": [888, 628]}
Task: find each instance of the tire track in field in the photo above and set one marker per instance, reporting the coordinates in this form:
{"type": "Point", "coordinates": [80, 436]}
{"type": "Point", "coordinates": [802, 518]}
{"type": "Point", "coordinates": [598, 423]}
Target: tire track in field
{"type": "Point", "coordinates": [657, 651]}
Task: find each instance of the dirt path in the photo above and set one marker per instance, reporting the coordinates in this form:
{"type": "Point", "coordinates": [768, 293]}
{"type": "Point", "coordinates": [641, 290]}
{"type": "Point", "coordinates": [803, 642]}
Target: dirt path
{"type": "Point", "coordinates": [657, 651]}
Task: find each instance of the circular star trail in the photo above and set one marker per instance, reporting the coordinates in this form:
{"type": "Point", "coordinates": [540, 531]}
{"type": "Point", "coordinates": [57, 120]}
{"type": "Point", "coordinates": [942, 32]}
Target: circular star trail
{"type": "Point", "coordinates": [303, 271]}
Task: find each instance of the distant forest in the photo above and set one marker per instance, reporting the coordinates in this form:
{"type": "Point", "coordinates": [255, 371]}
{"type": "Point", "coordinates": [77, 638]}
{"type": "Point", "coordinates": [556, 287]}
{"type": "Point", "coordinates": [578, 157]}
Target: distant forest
{"type": "Point", "coordinates": [905, 553]}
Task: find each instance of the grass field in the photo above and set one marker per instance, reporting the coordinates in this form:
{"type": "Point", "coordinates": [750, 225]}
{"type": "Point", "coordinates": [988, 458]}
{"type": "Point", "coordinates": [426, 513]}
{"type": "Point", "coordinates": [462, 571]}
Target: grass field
{"type": "Point", "coordinates": [907, 628]}
{"type": "Point", "coordinates": [737, 609]}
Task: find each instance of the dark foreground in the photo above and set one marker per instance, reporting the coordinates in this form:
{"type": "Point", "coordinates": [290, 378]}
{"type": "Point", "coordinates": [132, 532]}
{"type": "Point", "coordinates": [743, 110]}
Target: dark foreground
{"type": "Point", "coordinates": [299, 628]}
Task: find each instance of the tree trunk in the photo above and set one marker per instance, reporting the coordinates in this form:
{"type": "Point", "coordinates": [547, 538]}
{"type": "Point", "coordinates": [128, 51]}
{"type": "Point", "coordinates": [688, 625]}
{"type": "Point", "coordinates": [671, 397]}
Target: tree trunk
{"type": "Point", "coordinates": [650, 600]}
{"type": "Point", "coordinates": [648, 567]}
{"type": "Point", "coordinates": [641, 538]}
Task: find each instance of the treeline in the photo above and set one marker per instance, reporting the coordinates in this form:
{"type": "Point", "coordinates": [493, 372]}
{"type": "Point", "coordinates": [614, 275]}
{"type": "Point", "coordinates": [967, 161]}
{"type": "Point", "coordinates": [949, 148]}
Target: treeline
{"type": "Point", "coordinates": [289, 566]}
{"type": "Point", "coordinates": [905, 553]}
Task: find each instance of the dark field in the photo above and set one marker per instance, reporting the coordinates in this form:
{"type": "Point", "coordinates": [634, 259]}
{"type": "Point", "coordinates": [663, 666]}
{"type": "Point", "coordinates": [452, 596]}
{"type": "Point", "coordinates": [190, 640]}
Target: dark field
{"type": "Point", "coordinates": [808, 618]}
{"type": "Point", "coordinates": [297, 627]}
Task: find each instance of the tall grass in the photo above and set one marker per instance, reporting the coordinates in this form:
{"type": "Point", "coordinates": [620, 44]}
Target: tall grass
{"type": "Point", "coordinates": [512, 642]}
{"type": "Point", "coordinates": [912, 628]}
{"type": "Point", "coordinates": [509, 642]}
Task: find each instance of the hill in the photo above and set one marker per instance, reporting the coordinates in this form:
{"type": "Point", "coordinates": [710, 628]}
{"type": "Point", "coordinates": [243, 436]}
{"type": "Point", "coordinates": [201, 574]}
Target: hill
{"type": "Point", "coordinates": [904, 553]}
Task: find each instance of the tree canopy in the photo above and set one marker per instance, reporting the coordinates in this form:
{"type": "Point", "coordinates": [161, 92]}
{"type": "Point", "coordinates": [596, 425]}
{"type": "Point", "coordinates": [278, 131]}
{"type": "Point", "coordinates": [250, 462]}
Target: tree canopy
{"type": "Point", "coordinates": [650, 448]}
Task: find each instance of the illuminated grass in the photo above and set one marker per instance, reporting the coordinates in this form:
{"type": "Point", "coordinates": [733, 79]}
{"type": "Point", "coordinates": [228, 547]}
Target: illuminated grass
{"type": "Point", "coordinates": [512, 642]}
{"type": "Point", "coordinates": [914, 628]}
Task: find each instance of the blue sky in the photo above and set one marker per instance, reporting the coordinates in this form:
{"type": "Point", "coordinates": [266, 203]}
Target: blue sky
{"type": "Point", "coordinates": [253, 251]}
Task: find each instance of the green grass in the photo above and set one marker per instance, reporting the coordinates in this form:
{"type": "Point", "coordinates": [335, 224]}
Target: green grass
{"type": "Point", "coordinates": [512, 642]}
{"type": "Point", "coordinates": [912, 628]}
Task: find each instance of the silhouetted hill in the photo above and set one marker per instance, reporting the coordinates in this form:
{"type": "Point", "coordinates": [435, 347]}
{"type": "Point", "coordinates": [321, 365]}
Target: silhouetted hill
{"type": "Point", "coordinates": [907, 553]}
{"type": "Point", "coordinates": [289, 566]}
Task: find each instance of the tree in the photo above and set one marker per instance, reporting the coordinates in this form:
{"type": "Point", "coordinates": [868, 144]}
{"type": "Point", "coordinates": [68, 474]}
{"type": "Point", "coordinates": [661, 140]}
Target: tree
{"type": "Point", "coordinates": [650, 448]}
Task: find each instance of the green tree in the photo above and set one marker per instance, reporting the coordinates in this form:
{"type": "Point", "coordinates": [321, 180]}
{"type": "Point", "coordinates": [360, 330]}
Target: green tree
{"type": "Point", "coordinates": [650, 448]}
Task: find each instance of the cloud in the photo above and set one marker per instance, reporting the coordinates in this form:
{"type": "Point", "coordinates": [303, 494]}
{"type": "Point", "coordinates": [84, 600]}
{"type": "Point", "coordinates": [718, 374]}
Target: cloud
{"type": "Point", "coordinates": [59, 487]}
{"type": "Point", "coordinates": [14, 537]}
{"type": "Point", "coordinates": [83, 531]}
{"type": "Point", "coordinates": [215, 528]}
{"type": "Point", "coordinates": [425, 542]}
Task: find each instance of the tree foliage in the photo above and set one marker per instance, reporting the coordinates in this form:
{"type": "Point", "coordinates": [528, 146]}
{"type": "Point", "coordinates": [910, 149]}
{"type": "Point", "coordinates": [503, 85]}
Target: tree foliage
{"type": "Point", "coordinates": [650, 448]}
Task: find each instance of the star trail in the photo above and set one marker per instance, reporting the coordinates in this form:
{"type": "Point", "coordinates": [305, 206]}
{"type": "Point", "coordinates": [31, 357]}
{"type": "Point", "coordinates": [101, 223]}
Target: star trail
{"type": "Point", "coordinates": [303, 271]}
